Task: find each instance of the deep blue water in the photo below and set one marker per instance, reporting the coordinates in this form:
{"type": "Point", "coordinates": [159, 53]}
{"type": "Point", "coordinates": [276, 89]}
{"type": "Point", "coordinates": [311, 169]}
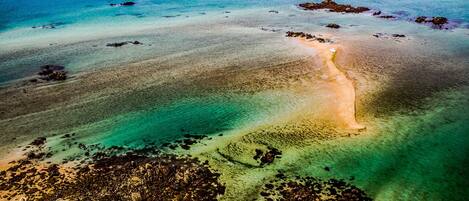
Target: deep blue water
{"type": "Point", "coordinates": [28, 13]}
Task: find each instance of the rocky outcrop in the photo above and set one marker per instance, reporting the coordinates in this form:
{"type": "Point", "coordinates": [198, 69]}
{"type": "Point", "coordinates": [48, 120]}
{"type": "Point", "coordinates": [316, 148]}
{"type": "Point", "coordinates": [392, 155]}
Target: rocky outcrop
{"type": "Point", "coordinates": [127, 3]}
{"type": "Point", "coordinates": [120, 44]}
{"type": "Point", "coordinates": [333, 26]}
{"type": "Point", "coordinates": [307, 36]}
{"type": "Point", "coordinates": [434, 20]}
{"type": "Point", "coordinates": [333, 7]}
{"type": "Point", "coordinates": [52, 73]}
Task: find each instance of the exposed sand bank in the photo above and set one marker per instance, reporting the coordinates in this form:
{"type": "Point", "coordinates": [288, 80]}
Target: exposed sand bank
{"type": "Point", "coordinates": [342, 86]}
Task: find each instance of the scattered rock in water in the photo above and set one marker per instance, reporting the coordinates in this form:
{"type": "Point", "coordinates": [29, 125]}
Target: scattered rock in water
{"type": "Point", "coordinates": [171, 16]}
{"type": "Point", "coordinates": [52, 73]}
{"type": "Point", "coordinates": [439, 20]}
{"type": "Point", "coordinates": [271, 29]}
{"type": "Point", "coordinates": [387, 16]}
{"type": "Point", "coordinates": [388, 36]}
{"type": "Point", "coordinates": [120, 44]}
{"type": "Point", "coordinates": [309, 188]}
{"type": "Point", "coordinates": [421, 19]}
{"type": "Point", "coordinates": [268, 157]}
{"type": "Point", "coordinates": [49, 26]}
{"type": "Point", "coordinates": [436, 22]}
{"type": "Point", "coordinates": [333, 7]}
{"type": "Point", "coordinates": [258, 154]}
{"type": "Point", "coordinates": [127, 3]}
{"type": "Point", "coordinates": [376, 13]}
{"type": "Point", "coordinates": [187, 142]}
{"type": "Point", "coordinates": [398, 35]}
{"type": "Point", "coordinates": [39, 141]}
{"type": "Point", "coordinates": [273, 11]}
{"type": "Point", "coordinates": [49, 69]}
{"type": "Point", "coordinates": [333, 26]}
{"type": "Point", "coordinates": [307, 36]}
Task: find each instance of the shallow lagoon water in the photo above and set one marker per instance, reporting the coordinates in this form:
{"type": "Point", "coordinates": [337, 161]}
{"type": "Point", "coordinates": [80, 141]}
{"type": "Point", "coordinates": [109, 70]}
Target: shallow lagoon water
{"type": "Point", "coordinates": [415, 153]}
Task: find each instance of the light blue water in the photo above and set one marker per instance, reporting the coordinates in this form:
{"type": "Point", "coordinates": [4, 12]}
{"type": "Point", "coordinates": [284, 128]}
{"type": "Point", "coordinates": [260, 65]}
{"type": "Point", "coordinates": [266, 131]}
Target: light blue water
{"type": "Point", "coordinates": [28, 13]}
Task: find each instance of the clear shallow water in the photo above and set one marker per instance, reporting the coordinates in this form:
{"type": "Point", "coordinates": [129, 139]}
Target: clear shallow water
{"type": "Point", "coordinates": [27, 13]}
{"type": "Point", "coordinates": [412, 155]}
{"type": "Point", "coordinates": [207, 116]}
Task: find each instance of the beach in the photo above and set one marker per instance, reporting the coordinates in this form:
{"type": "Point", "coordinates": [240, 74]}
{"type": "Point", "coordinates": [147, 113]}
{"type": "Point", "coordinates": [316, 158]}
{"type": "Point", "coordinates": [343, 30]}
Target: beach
{"type": "Point", "coordinates": [254, 95]}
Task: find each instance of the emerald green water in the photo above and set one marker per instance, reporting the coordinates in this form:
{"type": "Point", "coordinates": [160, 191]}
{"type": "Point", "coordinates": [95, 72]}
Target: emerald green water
{"type": "Point", "coordinates": [207, 115]}
{"type": "Point", "coordinates": [423, 156]}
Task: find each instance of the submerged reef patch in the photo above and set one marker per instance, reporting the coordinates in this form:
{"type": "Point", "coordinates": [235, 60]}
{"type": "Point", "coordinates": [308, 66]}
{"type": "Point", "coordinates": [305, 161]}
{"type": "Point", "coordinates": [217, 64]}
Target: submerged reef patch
{"type": "Point", "coordinates": [51, 72]}
{"type": "Point", "coordinates": [310, 188]}
{"type": "Point", "coordinates": [120, 44]}
{"type": "Point", "coordinates": [111, 174]}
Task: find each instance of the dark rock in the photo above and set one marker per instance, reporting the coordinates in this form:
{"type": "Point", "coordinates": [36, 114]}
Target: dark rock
{"type": "Point", "coordinates": [306, 36]}
{"type": "Point", "coordinates": [377, 13]}
{"type": "Point", "coordinates": [52, 73]}
{"type": "Point", "coordinates": [333, 26]}
{"type": "Point", "coordinates": [333, 7]}
{"type": "Point", "coordinates": [439, 20]}
{"type": "Point", "coordinates": [398, 35]}
{"type": "Point", "coordinates": [386, 16]}
{"type": "Point", "coordinates": [118, 44]}
{"type": "Point", "coordinates": [39, 141]}
{"type": "Point", "coordinates": [421, 19]}
{"type": "Point", "coordinates": [327, 168]}
{"type": "Point", "coordinates": [269, 156]}
{"type": "Point", "coordinates": [258, 154]}
{"type": "Point", "coordinates": [128, 3]}
{"type": "Point", "coordinates": [58, 75]}
{"type": "Point", "coordinates": [49, 69]}
{"type": "Point", "coordinates": [273, 11]}
{"type": "Point", "coordinates": [269, 186]}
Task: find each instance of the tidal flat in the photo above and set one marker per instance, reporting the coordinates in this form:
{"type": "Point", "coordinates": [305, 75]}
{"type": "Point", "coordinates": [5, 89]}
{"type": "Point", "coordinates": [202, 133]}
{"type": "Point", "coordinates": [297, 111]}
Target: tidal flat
{"type": "Point", "coordinates": [222, 100]}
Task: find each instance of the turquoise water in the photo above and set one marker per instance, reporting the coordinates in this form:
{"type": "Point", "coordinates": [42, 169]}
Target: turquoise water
{"type": "Point", "coordinates": [210, 115]}
{"type": "Point", "coordinates": [28, 13]}
{"type": "Point", "coordinates": [415, 157]}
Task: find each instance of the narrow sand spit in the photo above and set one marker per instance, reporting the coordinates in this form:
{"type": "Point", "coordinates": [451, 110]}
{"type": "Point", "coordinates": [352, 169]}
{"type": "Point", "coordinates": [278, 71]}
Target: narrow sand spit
{"type": "Point", "coordinates": [343, 88]}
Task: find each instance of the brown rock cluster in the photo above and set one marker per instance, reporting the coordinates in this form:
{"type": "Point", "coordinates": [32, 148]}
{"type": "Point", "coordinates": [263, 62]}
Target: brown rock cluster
{"type": "Point", "coordinates": [120, 44]}
{"type": "Point", "coordinates": [333, 26]}
{"type": "Point", "coordinates": [307, 36]}
{"type": "Point", "coordinates": [309, 188]}
{"type": "Point", "coordinates": [434, 20]}
{"type": "Point", "coordinates": [333, 7]}
{"type": "Point", "coordinates": [52, 73]}
{"type": "Point", "coordinates": [143, 174]}
{"type": "Point", "coordinates": [268, 157]}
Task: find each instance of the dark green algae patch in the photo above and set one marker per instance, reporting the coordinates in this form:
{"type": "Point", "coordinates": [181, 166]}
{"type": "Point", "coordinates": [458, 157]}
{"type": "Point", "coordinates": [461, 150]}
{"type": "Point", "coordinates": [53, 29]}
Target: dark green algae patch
{"type": "Point", "coordinates": [114, 173]}
{"type": "Point", "coordinates": [147, 173]}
